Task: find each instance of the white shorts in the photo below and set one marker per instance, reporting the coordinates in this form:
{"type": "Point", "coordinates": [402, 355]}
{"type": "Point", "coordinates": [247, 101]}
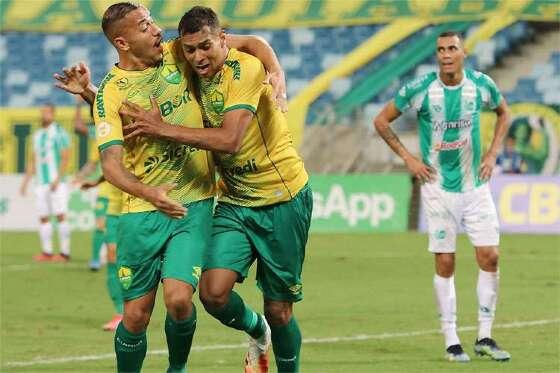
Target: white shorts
{"type": "Point", "coordinates": [49, 202]}
{"type": "Point", "coordinates": [446, 212]}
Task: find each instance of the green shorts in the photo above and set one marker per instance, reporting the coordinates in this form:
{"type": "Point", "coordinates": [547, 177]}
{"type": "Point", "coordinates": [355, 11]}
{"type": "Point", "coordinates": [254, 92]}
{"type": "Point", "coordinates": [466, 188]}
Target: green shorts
{"type": "Point", "coordinates": [153, 246]}
{"type": "Point", "coordinates": [273, 235]}
{"type": "Point", "coordinates": [112, 223]}
{"type": "Point", "coordinates": [101, 204]}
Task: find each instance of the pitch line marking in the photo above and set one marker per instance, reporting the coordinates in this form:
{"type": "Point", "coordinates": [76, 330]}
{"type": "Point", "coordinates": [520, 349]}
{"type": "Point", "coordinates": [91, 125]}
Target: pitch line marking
{"type": "Point", "coordinates": [359, 337]}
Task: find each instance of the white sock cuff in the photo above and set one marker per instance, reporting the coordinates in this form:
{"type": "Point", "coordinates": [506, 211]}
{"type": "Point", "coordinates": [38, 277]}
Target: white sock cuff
{"type": "Point", "coordinates": [487, 274]}
{"type": "Point", "coordinates": [443, 280]}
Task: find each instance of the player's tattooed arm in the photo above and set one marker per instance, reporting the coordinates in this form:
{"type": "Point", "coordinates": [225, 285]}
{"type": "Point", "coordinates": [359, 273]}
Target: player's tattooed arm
{"type": "Point", "coordinates": [382, 124]}
{"type": "Point", "coordinates": [260, 48]}
{"type": "Point", "coordinates": [116, 174]}
{"type": "Point", "coordinates": [502, 123]}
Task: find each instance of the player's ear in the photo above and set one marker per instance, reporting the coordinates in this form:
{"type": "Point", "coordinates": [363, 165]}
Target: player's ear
{"type": "Point", "coordinates": [120, 43]}
{"type": "Point", "coordinates": [222, 36]}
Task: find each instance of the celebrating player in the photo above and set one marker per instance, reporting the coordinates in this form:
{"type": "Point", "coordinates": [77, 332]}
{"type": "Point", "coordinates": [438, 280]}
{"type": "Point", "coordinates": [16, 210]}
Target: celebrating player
{"type": "Point", "coordinates": [264, 210]}
{"type": "Point", "coordinates": [157, 240]}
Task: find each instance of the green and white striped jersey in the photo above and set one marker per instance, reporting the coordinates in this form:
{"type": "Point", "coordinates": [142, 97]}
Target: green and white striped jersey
{"type": "Point", "coordinates": [449, 124]}
{"type": "Point", "coordinates": [48, 144]}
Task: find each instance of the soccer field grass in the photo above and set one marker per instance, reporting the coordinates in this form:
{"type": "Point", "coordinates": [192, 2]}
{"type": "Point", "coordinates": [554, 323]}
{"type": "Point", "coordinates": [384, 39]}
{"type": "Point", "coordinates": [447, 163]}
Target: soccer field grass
{"type": "Point", "coordinates": [369, 307]}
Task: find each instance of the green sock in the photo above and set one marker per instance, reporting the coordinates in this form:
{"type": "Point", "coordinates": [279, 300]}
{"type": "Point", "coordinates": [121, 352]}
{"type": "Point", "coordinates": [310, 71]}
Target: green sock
{"type": "Point", "coordinates": [114, 287]}
{"type": "Point", "coordinates": [286, 343]}
{"type": "Point", "coordinates": [97, 241]}
{"type": "Point", "coordinates": [130, 349]}
{"type": "Point", "coordinates": [179, 340]}
{"type": "Point", "coordinates": [237, 315]}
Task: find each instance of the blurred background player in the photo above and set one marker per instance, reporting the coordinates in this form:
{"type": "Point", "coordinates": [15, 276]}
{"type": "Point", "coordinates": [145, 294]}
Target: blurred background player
{"type": "Point", "coordinates": [91, 167]}
{"type": "Point", "coordinates": [108, 203]}
{"type": "Point", "coordinates": [49, 161]}
{"type": "Point", "coordinates": [264, 212]}
{"type": "Point", "coordinates": [510, 160]}
{"type": "Point", "coordinates": [454, 177]}
{"type": "Point", "coordinates": [111, 220]}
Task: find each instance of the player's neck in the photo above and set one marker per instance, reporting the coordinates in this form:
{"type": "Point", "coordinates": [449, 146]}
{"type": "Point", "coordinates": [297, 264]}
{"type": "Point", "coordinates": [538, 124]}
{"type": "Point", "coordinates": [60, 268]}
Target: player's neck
{"type": "Point", "coordinates": [132, 63]}
{"type": "Point", "coordinates": [451, 79]}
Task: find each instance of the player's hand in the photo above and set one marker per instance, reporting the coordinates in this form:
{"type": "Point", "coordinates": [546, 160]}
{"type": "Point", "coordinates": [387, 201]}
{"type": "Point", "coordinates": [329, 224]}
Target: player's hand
{"type": "Point", "coordinates": [85, 185]}
{"type": "Point", "coordinates": [144, 122]}
{"type": "Point", "coordinates": [487, 166]}
{"type": "Point", "coordinates": [157, 196]}
{"type": "Point", "coordinates": [420, 170]}
{"type": "Point", "coordinates": [277, 80]}
{"type": "Point", "coordinates": [75, 80]}
{"type": "Point", "coordinates": [54, 185]}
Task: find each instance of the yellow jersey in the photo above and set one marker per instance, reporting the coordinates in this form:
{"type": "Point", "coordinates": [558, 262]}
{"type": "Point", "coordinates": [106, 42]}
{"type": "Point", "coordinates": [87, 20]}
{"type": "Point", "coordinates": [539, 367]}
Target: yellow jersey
{"type": "Point", "coordinates": [154, 161]}
{"type": "Point", "coordinates": [267, 168]}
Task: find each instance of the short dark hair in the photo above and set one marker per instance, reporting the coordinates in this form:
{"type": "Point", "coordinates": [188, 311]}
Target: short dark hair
{"type": "Point", "coordinates": [196, 18]}
{"type": "Point", "coordinates": [115, 13]}
{"type": "Point", "coordinates": [449, 33]}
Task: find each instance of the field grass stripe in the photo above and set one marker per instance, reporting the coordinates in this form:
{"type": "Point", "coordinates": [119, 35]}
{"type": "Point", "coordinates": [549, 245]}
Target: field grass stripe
{"type": "Point", "coordinates": [359, 337]}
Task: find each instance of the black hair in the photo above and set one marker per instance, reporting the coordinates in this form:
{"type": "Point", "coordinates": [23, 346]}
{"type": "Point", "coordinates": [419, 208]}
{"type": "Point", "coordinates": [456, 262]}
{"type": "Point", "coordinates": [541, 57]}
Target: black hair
{"type": "Point", "coordinates": [196, 18]}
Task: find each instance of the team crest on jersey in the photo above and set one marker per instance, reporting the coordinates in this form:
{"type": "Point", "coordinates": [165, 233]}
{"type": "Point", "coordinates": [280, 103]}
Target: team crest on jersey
{"type": "Point", "coordinates": [122, 83]}
{"type": "Point", "coordinates": [437, 108]}
{"type": "Point", "coordinates": [125, 277]}
{"type": "Point", "coordinates": [217, 102]}
{"type": "Point", "coordinates": [171, 74]}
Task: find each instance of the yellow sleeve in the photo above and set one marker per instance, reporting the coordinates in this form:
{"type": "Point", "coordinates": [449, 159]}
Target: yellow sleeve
{"type": "Point", "coordinates": [246, 84]}
{"type": "Point", "coordinates": [108, 123]}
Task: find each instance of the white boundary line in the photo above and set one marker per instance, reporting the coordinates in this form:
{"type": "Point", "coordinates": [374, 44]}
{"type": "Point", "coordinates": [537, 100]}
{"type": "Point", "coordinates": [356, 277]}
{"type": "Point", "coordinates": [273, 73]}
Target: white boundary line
{"type": "Point", "coordinates": [359, 337]}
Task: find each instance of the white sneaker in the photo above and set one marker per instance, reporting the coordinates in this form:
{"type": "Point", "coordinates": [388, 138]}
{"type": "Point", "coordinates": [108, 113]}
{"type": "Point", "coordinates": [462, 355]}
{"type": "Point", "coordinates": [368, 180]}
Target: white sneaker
{"type": "Point", "coordinates": [257, 360]}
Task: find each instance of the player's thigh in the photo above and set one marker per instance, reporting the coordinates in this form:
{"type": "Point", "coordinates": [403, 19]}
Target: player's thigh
{"type": "Point", "coordinates": [441, 211]}
{"type": "Point", "coordinates": [42, 200]}
{"type": "Point", "coordinates": [141, 239]}
{"type": "Point", "coordinates": [59, 199]}
{"type": "Point", "coordinates": [480, 219]}
{"type": "Point", "coordinates": [280, 242]}
{"type": "Point", "coordinates": [229, 246]}
{"type": "Point", "coordinates": [182, 257]}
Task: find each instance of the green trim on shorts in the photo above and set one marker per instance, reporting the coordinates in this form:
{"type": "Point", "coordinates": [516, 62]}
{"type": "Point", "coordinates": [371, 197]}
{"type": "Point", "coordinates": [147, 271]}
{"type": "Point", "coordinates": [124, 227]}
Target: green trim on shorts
{"type": "Point", "coordinates": [101, 205]}
{"type": "Point", "coordinates": [275, 236]}
{"type": "Point", "coordinates": [153, 246]}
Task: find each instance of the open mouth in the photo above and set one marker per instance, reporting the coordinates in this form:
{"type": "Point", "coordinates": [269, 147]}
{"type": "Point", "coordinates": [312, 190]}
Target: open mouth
{"type": "Point", "coordinates": [157, 44]}
{"type": "Point", "coordinates": [203, 68]}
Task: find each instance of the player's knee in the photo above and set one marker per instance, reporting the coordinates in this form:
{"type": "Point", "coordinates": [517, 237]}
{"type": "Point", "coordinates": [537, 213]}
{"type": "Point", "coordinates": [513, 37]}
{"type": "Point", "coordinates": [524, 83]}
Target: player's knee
{"type": "Point", "coordinates": [277, 313]}
{"type": "Point", "coordinates": [136, 319]}
{"type": "Point", "coordinates": [100, 224]}
{"type": "Point", "coordinates": [489, 261]}
{"type": "Point", "coordinates": [213, 298]}
{"type": "Point", "coordinates": [178, 308]}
